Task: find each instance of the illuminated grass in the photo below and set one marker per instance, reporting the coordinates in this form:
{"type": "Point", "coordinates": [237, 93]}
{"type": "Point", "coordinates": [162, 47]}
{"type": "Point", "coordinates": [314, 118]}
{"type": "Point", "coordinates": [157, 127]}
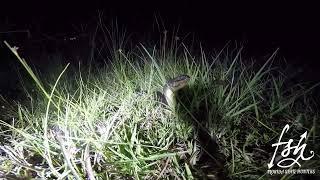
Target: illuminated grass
{"type": "Point", "coordinates": [107, 124]}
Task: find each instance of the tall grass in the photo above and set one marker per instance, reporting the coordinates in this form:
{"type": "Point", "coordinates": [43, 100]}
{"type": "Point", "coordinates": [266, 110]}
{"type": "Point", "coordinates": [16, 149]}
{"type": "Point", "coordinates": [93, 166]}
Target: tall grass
{"type": "Point", "coordinates": [108, 124]}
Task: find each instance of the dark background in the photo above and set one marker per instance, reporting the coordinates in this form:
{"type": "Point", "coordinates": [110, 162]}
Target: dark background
{"type": "Point", "coordinates": [264, 25]}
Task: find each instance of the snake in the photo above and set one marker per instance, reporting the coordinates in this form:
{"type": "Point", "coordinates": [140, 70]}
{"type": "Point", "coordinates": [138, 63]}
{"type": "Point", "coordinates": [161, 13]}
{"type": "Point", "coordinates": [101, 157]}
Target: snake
{"type": "Point", "coordinates": [171, 87]}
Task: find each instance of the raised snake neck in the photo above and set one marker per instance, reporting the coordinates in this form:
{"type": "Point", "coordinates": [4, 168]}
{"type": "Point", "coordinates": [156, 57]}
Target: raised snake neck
{"type": "Point", "coordinates": [172, 86]}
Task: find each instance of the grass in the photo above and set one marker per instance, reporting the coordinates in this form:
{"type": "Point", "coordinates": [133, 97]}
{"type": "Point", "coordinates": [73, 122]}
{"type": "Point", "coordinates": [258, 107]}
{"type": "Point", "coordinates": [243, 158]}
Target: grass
{"type": "Point", "coordinates": [105, 123]}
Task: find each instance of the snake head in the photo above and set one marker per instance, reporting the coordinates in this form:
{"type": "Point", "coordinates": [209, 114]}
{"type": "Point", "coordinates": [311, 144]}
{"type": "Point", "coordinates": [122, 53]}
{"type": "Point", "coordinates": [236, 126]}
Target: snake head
{"type": "Point", "coordinates": [178, 82]}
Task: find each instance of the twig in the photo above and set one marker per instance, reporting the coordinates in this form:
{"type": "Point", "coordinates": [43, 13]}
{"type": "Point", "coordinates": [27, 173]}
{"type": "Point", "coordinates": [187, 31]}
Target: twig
{"type": "Point", "coordinates": [164, 168]}
{"type": "Point", "coordinates": [88, 163]}
{"type": "Point", "coordinates": [66, 156]}
{"type": "Point", "coordinates": [17, 31]}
